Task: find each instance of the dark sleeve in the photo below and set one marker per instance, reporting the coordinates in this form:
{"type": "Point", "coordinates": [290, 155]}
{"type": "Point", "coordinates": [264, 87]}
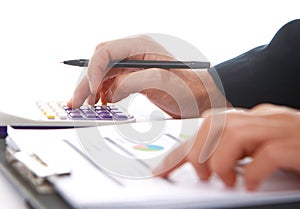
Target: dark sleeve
{"type": "Point", "coordinates": [266, 74]}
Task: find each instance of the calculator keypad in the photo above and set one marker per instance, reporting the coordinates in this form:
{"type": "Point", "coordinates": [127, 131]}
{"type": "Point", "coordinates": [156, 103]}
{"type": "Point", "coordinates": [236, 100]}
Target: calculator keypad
{"type": "Point", "coordinates": [60, 111]}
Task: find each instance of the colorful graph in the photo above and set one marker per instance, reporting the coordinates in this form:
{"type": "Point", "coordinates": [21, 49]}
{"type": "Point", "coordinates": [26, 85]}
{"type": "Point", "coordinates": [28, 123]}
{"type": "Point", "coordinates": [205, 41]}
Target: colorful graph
{"type": "Point", "coordinates": [148, 147]}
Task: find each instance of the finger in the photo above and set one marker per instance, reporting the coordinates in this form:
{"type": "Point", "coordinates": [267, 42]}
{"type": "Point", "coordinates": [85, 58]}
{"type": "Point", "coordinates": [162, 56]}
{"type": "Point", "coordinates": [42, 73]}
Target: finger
{"type": "Point", "coordinates": [113, 72]}
{"type": "Point", "coordinates": [175, 159]}
{"type": "Point", "coordinates": [81, 93]}
{"type": "Point", "coordinates": [102, 44]}
{"type": "Point", "coordinates": [116, 88]}
{"type": "Point", "coordinates": [202, 169]}
{"type": "Point", "coordinates": [105, 90]}
{"type": "Point", "coordinates": [198, 151]}
{"type": "Point", "coordinates": [171, 162]}
{"type": "Point", "coordinates": [119, 87]}
{"type": "Point", "coordinates": [93, 99]}
{"type": "Point", "coordinates": [270, 157]}
{"type": "Point", "coordinates": [241, 135]}
{"type": "Point", "coordinates": [188, 152]}
{"type": "Point", "coordinates": [118, 50]}
{"type": "Point", "coordinates": [212, 150]}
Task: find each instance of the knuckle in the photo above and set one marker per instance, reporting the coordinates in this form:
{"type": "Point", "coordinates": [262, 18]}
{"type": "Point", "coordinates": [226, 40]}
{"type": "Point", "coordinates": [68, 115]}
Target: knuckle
{"type": "Point", "coordinates": [145, 37]}
{"type": "Point", "coordinates": [99, 46]}
{"type": "Point", "coordinates": [269, 152]}
{"type": "Point", "coordinates": [232, 130]}
{"type": "Point", "coordinates": [263, 106]}
{"type": "Point", "coordinates": [207, 120]}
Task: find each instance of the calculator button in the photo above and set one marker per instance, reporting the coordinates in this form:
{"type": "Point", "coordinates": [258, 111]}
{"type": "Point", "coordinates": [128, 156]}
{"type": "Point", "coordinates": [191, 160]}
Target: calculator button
{"type": "Point", "coordinates": [66, 107]}
{"type": "Point", "coordinates": [92, 116]}
{"type": "Point", "coordinates": [120, 116]}
{"type": "Point", "coordinates": [100, 111]}
{"type": "Point", "coordinates": [75, 115]}
{"type": "Point", "coordinates": [60, 110]}
{"type": "Point", "coordinates": [115, 112]}
{"type": "Point", "coordinates": [50, 115]}
{"type": "Point", "coordinates": [62, 116]}
{"type": "Point", "coordinates": [88, 112]}
{"type": "Point", "coordinates": [105, 115]}
{"type": "Point", "coordinates": [84, 108]}
{"type": "Point", "coordinates": [99, 108]}
{"type": "Point", "coordinates": [74, 111]}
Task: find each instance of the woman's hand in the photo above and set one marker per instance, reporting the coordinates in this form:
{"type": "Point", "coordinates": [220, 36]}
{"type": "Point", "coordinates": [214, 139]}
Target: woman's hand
{"type": "Point", "coordinates": [182, 93]}
{"type": "Point", "coordinates": [135, 48]}
{"type": "Point", "coordinates": [269, 134]}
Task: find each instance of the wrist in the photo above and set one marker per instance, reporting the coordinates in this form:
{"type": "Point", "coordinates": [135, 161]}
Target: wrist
{"type": "Point", "coordinates": [210, 96]}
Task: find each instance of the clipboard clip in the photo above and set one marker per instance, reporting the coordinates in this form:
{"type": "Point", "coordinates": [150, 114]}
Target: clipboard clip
{"type": "Point", "coordinates": [33, 169]}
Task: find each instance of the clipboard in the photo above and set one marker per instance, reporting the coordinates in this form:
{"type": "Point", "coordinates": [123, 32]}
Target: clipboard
{"type": "Point", "coordinates": [54, 200]}
{"type": "Point", "coordinates": [33, 198]}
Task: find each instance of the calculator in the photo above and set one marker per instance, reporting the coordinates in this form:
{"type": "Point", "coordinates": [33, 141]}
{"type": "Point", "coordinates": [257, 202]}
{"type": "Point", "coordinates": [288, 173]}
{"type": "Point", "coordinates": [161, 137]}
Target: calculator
{"type": "Point", "coordinates": [58, 114]}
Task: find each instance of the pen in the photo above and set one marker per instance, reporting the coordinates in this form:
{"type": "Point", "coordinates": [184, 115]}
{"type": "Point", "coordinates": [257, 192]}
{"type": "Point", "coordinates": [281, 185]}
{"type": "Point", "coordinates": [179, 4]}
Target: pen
{"type": "Point", "coordinates": [166, 64]}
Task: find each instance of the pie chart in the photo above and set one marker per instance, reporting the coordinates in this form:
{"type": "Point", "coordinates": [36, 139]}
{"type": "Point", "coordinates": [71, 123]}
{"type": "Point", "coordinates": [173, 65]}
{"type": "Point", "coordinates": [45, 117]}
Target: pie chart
{"type": "Point", "coordinates": [148, 147]}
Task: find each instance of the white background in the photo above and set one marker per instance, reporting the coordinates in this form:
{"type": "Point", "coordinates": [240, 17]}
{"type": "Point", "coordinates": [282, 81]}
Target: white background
{"type": "Point", "coordinates": [36, 35]}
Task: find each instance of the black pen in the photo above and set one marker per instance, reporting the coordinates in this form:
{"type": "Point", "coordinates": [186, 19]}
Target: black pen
{"type": "Point", "coordinates": [166, 64]}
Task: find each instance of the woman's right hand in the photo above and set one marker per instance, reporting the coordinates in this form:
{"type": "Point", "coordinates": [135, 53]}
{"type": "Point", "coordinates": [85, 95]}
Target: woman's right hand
{"type": "Point", "coordinates": [182, 93]}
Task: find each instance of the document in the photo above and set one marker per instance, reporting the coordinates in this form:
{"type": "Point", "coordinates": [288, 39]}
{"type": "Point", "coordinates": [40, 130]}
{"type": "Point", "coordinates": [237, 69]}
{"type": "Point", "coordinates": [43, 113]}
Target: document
{"type": "Point", "coordinates": [110, 167]}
